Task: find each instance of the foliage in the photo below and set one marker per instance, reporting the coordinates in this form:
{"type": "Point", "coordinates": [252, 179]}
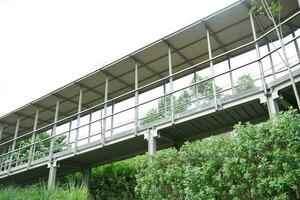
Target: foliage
{"type": "Point", "coordinates": [163, 108]}
{"type": "Point", "coordinates": [244, 83]}
{"type": "Point", "coordinates": [41, 148]}
{"type": "Point", "coordinates": [40, 192]}
{"type": "Point", "coordinates": [204, 89]}
{"type": "Point", "coordinates": [258, 162]}
{"type": "Point", "coordinates": [274, 9]}
{"type": "Point", "coordinates": [111, 182]}
{"type": "Point", "coordinates": [181, 104]}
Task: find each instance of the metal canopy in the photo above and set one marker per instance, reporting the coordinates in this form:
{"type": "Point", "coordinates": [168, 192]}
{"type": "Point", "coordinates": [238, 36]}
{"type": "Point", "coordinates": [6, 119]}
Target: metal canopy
{"type": "Point", "coordinates": [229, 28]}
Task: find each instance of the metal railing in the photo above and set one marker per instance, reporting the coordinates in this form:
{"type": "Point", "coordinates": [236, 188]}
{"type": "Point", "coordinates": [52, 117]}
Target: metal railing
{"type": "Point", "coordinates": [26, 155]}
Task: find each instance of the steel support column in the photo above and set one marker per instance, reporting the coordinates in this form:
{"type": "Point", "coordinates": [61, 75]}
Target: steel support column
{"type": "Point", "coordinates": [14, 145]}
{"type": "Point", "coordinates": [171, 84]}
{"type": "Point", "coordinates": [136, 98]}
{"type": "Point", "coordinates": [105, 110]}
{"type": "Point", "coordinates": [52, 165]}
{"type": "Point", "coordinates": [78, 119]}
{"type": "Point", "coordinates": [33, 138]}
{"type": "Point", "coordinates": [212, 70]}
{"type": "Point", "coordinates": [52, 174]}
{"type": "Point", "coordinates": [85, 177]}
{"type": "Point", "coordinates": [151, 137]}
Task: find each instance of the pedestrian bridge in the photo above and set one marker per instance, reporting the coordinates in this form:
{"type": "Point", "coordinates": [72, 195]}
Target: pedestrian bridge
{"type": "Point", "coordinates": [227, 68]}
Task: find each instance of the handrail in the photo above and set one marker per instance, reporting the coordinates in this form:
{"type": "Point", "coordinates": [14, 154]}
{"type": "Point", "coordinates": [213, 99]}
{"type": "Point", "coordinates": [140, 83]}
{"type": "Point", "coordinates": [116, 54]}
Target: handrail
{"type": "Point", "coordinates": [166, 78]}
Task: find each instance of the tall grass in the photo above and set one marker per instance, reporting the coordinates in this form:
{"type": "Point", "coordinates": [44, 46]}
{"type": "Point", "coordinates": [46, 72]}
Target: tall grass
{"type": "Point", "coordinates": [40, 192]}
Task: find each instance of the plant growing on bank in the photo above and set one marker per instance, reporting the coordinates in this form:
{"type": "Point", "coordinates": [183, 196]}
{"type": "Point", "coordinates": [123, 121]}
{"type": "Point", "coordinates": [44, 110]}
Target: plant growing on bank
{"type": "Point", "coordinates": [257, 162]}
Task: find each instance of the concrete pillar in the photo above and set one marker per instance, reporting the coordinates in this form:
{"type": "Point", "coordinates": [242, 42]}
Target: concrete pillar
{"type": "Point", "coordinates": [151, 136]}
{"type": "Point", "coordinates": [85, 177]}
{"type": "Point", "coordinates": [52, 174]}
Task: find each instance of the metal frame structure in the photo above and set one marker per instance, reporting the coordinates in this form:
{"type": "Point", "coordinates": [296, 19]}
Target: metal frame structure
{"type": "Point", "coordinates": [172, 58]}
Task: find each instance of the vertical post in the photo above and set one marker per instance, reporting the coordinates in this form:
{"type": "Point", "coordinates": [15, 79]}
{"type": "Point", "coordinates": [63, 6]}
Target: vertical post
{"type": "Point", "coordinates": [171, 84]}
{"type": "Point", "coordinates": [14, 145]}
{"type": "Point", "coordinates": [85, 177]}
{"type": "Point", "coordinates": [33, 138]}
{"type": "Point", "coordinates": [105, 109]}
{"type": "Point", "coordinates": [112, 117]}
{"type": "Point", "coordinates": [136, 99]}
{"type": "Point", "coordinates": [230, 74]}
{"type": "Point", "coordinates": [271, 61]}
{"type": "Point", "coordinates": [78, 119]}
{"type": "Point", "coordinates": [260, 64]}
{"type": "Point", "coordinates": [165, 100]}
{"type": "Point", "coordinates": [69, 133]}
{"type": "Point", "coordinates": [299, 3]}
{"type": "Point", "coordinates": [296, 44]}
{"type": "Point", "coordinates": [90, 127]}
{"type": "Point", "coordinates": [212, 70]}
{"type": "Point", "coordinates": [196, 87]}
{"type": "Point", "coordinates": [52, 165]}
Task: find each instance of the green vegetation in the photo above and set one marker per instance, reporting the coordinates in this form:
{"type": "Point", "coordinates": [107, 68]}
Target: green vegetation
{"type": "Point", "coordinates": [253, 162]}
{"type": "Point", "coordinates": [40, 192]}
{"type": "Point", "coordinates": [244, 83]}
{"type": "Point", "coordinates": [256, 162]}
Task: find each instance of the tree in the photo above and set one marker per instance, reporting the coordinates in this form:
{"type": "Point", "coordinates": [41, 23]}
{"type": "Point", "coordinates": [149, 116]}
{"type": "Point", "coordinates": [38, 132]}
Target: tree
{"type": "Point", "coordinates": [244, 83]}
{"type": "Point", "coordinates": [181, 104]}
{"type": "Point", "coordinates": [41, 148]}
{"type": "Point", "coordinates": [163, 108]}
{"type": "Point", "coordinates": [204, 89]}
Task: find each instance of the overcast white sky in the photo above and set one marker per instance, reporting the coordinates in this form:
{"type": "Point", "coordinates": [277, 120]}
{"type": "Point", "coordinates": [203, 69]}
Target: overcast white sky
{"type": "Point", "coordinates": [45, 44]}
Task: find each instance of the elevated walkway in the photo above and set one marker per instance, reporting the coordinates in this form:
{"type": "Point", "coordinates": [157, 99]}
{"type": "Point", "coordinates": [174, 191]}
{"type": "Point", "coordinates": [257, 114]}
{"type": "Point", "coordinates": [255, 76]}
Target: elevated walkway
{"type": "Point", "coordinates": [194, 83]}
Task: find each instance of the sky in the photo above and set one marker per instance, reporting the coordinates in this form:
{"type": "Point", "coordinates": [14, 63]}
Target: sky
{"type": "Point", "coordinates": [45, 44]}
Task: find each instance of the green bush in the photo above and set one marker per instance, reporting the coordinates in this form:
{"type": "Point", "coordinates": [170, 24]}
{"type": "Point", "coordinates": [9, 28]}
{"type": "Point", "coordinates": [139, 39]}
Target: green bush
{"type": "Point", "coordinates": [256, 162]}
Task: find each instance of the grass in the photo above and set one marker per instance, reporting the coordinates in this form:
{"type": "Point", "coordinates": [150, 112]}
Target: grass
{"type": "Point", "coordinates": [40, 192]}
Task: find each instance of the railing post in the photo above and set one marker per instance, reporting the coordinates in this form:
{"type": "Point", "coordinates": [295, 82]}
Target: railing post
{"type": "Point", "coordinates": [171, 84]}
{"type": "Point", "coordinates": [105, 109]}
{"type": "Point", "coordinates": [69, 133]}
{"type": "Point", "coordinates": [136, 99]}
{"type": "Point", "coordinates": [78, 119]}
{"type": "Point", "coordinates": [33, 138]}
{"type": "Point", "coordinates": [271, 61]}
{"type": "Point", "coordinates": [230, 74]}
{"type": "Point", "coordinates": [90, 126]}
{"type": "Point", "coordinates": [165, 100]}
{"type": "Point", "coordinates": [13, 145]}
{"type": "Point", "coordinates": [52, 165]}
{"type": "Point", "coordinates": [112, 118]}
{"type": "Point", "coordinates": [196, 87]}
{"type": "Point", "coordinates": [212, 70]}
